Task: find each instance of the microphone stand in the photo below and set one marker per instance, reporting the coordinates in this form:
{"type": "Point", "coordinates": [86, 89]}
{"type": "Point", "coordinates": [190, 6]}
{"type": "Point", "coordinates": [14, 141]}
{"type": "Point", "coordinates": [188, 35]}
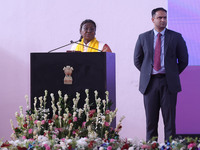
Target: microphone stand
{"type": "Point", "coordinates": [71, 42]}
{"type": "Point", "coordinates": [85, 45]}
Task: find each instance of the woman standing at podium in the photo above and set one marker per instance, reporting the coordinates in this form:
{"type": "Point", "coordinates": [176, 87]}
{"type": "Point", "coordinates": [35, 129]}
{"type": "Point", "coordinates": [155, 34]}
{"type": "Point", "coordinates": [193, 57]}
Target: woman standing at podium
{"type": "Point", "coordinates": [88, 42]}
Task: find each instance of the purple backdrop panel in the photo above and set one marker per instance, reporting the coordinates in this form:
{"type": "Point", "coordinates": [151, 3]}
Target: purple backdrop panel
{"type": "Point", "coordinates": [187, 115]}
{"type": "Point", "coordinates": [184, 17]}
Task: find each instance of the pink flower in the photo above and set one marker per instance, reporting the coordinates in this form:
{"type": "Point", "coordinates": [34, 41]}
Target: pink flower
{"type": "Point", "coordinates": [107, 124]}
{"type": "Point", "coordinates": [47, 147]}
{"type": "Point", "coordinates": [109, 148]}
{"type": "Point", "coordinates": [43, 122]}
{"type": "Point", "coordinates": [56, 131]}
{"type": "Point", "coordinates": [146, 147]}
{"type": "Point", "coordinates": [35, 122]}
{"type": "Point", "coordinates": [191, 145]}
{"type": "Point", "coordinates": [83, 124]}
{"type": "Point", "coordinates": [91, 112]}
{"type": "Point", "coordinates": [74, 132]}
{"type": "Point", "coordinates": [75, 119]}
{"type": "Point", "coordinates": [53, 136]}
{"type": "Point", "coordinates": [112, 140]}
{"type": "Point", "coordinates": [31, 140]}
{"type": "Point", "coordinates": [107, 111]}
{"type": "Point", "coordinates": [56, 116]}
{"type": "Point", "coordinates": [63, 139]}
{"type": "Point", "coordinates": [30, 118]}
{"type": "Point", "coordinates": [60, 129]}
{"type": "Point", "coordinates": [30, 131]}
{"type": "Point", "coordinates": [23, 137]}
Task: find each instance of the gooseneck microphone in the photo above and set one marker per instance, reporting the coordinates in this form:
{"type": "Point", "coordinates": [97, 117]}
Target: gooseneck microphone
{"type": "Point", "coordinates": [71, 42]}
{"type": "Point", "coordinates": [77, 42]}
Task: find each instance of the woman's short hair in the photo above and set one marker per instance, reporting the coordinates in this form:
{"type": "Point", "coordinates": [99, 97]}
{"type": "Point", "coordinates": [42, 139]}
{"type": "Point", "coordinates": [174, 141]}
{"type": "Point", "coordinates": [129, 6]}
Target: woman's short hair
{"type": "Point", "coordinates": [87, 21]}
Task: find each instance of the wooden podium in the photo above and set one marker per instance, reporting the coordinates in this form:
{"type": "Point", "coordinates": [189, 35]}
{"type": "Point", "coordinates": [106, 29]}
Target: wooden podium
{"type": "Point", "coordinates": [93, 71]}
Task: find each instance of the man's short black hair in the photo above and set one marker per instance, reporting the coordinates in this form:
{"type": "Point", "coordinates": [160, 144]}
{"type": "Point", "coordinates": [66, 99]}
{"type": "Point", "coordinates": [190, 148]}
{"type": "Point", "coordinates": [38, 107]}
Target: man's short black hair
{"type": "Point", "coordinates": [153, 12]}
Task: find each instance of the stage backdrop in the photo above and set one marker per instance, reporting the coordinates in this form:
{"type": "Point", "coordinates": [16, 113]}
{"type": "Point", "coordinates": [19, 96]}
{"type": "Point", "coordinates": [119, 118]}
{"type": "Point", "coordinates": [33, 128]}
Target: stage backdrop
{"type": "Point", "coordinates": [39, 26]}
{"type": "Point", "coordinates": [184, 17]}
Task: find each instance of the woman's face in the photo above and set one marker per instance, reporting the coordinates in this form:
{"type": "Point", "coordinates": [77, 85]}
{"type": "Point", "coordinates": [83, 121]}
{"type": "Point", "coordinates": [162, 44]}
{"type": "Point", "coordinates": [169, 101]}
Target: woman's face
{"type": "Point", "coordinates": [88, 32]}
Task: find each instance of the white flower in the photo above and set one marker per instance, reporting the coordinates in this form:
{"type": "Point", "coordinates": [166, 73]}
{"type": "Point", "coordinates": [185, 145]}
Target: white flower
{"type": "Point", "coordinates": [21, 109]}
{"type": "Point", "coordinates": [82, 142]}
{"type": "Point", "coordinates": [107, 93]}
{"type": "Point", "coordinates": [63, 145]}
{"type": "Point", "coordinates": [68, 141]}
{"type": "Point", "coordinates": [130, 140]}
{"type": "Point", "coordinates": [174, 142]}
{"type": "Point", "coordinates": [12, 125]}
{"type": "Point", "coordinates": [65, 97]}
{"type": "Point", "coordinates": [98, 101]}
{"type": "Point", "coordinates": [52, 97]}
{"type": "Point", "coordinates": [27, 101]}
{"type": "Point", "coordinates": [101, 148]}
{"type": "Point", "coordinates": [103, 118]}
{"type": "Point", "coordinates": [86, 91]}
{"type": "Point", "coordinates": [95, 94]}
{"type": "Point", "coordinates": [74, 114]}
{"type": "Point", "coordinates": [92, 135]}
{"type": "Point", "coordinates": [87, 101]}
{"type": "Point", "coordinates": [80, 111]}
{"type": "Point", "coordinates": [13, 136]}
{"type": "Point", "coordinates": [16, 114]}
{"type": "Point", "coordinates": [45, 93]}
{"type": "Point", "coordinates": [15, 143]}
{"type": "Point", "coordinates": [39, 123]}
{"type": "Point", "coordinates": [89, 129]}
{"type": "Point", "coordinates": [41, 101]}
{"type": "Point", "coordinates": [46, 143]}
{"type": "Point", "coordinates": [70, 126]}
{"type": "Point", "coordinates": [45, 117]}
{"type": "Point", "coordinates": [131, 148]}
{"type": "Point", "coordinates": [22, 116]}
{"type": "Point", "coordinates": [60, 93]}
{"type": "Point", "coordinates": [198, 145]}
{"type": "Point", "coordinates": [42, 138]}
{"type": "Point", "coordinates": [77, 95]}
{"type": "Point", "coordinates": [34, 131]}
{"type": "Point", "coordinates": [4, 148]}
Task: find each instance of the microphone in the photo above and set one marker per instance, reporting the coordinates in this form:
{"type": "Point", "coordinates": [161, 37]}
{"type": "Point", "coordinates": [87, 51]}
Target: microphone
{"type": "Point", "coordinates": [77, 42]}
{"type": "Point", "coordinates": [71, 42]}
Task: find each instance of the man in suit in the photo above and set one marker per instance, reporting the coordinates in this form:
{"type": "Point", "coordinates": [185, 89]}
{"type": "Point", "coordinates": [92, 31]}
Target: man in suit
{"type": "Point", "coordinates": [160, 56]}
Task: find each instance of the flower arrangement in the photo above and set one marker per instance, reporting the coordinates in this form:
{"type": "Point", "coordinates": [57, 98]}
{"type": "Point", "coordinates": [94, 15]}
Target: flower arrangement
{"type": "Point", "coordinates": [67, 126]}
{"type": "Point", "coordinates": [66, 120]}
{"type": "Point", "coordinates": [73, 128]}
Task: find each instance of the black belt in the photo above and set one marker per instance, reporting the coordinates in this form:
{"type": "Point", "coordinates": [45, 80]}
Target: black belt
{"type": "Point", "coordinates": [158, 75]}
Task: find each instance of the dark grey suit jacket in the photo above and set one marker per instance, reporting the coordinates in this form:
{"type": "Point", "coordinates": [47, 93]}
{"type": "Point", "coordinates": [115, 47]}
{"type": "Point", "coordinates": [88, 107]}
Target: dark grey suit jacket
{"type": "Point", "coordinates": [175, 58]}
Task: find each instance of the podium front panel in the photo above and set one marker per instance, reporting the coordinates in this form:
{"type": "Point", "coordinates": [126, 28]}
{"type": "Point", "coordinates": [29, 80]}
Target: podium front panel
{"type": "Point", "coordinates": [93, 71]}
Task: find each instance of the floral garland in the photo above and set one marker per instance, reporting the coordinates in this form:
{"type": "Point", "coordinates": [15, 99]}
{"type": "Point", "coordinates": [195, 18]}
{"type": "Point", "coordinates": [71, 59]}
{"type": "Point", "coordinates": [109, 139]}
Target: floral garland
{"type": "Point", "coordinates": [43, 143]}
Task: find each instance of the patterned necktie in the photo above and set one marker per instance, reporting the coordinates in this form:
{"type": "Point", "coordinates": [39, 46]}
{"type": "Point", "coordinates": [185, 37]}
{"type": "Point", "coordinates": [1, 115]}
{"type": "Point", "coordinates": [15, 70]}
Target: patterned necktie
{"type": "Point", "coordinates": [157, 52]}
